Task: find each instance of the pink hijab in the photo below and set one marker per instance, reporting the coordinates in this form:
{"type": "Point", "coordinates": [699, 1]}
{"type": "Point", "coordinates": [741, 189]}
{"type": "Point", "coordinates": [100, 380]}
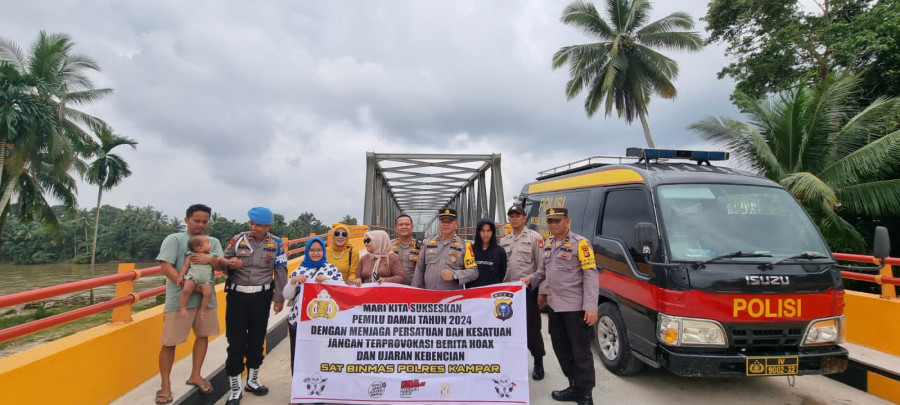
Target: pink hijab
{"type": "Point", "coordinates": [378, 248]}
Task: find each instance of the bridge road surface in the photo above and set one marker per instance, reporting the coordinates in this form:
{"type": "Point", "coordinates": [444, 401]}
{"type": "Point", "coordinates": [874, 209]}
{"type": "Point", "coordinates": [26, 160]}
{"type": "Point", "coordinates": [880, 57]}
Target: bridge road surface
{"type": "Point", "coordinates": [650, 386]}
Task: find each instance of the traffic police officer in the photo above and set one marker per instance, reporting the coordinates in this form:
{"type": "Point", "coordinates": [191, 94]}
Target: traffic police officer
{"type": "Point", "coordinates": [253, 284]}
{"type": "Point", "coordinates": [446, 261]}
{"type": "Point", "coordinates": [523, 252]}
{"type": "Point", "coordinates": [405, 247]}
{"type": "Point", "coordinates": [569, 267]}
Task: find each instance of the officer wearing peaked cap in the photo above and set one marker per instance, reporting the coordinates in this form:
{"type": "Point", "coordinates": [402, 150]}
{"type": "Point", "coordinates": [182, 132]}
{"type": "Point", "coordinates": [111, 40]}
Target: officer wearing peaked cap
{"type": "Point", "coordinates": [569, 267]}
{"type": "Point", "coordinates": [256, 281]}
{"type": "Point", "coordinates": [523, 248]}
{"type": "Point", "coordinates": [446, 261]}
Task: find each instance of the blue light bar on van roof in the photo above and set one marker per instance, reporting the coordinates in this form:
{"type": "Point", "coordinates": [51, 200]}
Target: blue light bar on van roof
{"type": "Point", "coordinates": [676, 154]}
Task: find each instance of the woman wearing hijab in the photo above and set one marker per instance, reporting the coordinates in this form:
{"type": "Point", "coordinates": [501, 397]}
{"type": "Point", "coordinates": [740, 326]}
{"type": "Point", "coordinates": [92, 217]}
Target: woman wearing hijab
{"type": "Point", "coordinates": [490, 257]}
{"type": "Point", "coordinates": [380, 264]}
{"type": "Point", "coordinates": [340, 253]}
{"type": "Point", "coordinates": [313, 268]}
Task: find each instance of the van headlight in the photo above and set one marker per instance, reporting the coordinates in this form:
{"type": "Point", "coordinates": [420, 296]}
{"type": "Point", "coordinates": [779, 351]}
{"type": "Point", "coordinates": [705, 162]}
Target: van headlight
{"type": "Point", "coordinates": [678, 331]}
{"type": "Point", "coordinates": [824, 331]}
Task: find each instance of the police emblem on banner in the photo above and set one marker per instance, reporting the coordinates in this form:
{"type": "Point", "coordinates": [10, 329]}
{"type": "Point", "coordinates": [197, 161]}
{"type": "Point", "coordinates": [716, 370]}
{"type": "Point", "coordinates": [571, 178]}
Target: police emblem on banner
{"type": "Point", "coordinates": [503, 305]}
{"type": "Point", "coordinates": [323, 306]}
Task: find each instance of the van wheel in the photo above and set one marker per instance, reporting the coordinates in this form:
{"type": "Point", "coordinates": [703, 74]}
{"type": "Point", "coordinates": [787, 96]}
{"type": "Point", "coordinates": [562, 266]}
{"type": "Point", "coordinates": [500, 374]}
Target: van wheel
{"type": "Point", "coordinates": [611, 341]}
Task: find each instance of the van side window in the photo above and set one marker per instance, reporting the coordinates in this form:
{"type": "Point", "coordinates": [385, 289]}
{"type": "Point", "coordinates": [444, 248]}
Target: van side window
{"type": "Point", "coordinates": [623, 209]}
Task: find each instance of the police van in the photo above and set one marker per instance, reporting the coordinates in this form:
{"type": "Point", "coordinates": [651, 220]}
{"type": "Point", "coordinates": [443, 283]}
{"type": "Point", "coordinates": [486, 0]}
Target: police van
{"type": "Point", "coordinates": [704, 270]}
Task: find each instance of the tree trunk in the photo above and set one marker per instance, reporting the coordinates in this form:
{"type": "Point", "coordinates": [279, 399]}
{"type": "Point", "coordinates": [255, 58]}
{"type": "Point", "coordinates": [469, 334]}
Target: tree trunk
{"type": "Point", "coordinates": [646, 129]}
{"type": "Point", "coordinates": [3, 217]}
{"type": "Point", "coordinates": [7, 193]}
{"type": "Point", "coordinates": [94, 243]}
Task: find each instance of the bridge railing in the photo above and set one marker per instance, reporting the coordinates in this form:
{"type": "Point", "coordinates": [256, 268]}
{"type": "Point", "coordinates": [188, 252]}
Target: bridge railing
{"type": "Point", "coordinates": [885, 277]}
{"type": "Point", "coordinates": [121, 304]}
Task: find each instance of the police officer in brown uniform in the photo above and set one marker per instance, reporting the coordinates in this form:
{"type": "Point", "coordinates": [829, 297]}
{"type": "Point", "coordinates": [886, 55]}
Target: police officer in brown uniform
{"type": "Point", "coordinates": [252, 286]}
{"type": "Point", "coordinates": [446, 261]}
{"type": "Point", "coordinates": [405, 247]}
{"type": "Point", "coordinates": [569, 267]}
{"type": "Point", "coordinates": [523, 251]}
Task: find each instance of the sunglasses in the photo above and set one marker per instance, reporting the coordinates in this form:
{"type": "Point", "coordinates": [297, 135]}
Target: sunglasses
{"type": "Point", "coordinates": [341, 233]}
{"type": "Point", "coordinates": [367, 240]}
{"type": "Point", "coordinates": [553, 220]}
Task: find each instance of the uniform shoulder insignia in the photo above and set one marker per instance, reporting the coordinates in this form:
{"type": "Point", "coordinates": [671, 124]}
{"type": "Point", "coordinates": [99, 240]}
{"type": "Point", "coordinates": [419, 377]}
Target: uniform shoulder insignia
{"type": "Point", "coordinates": [586, 255]}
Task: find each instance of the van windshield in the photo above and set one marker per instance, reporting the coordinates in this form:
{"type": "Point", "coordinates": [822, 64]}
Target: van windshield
{"type": "Point", "coordinates": [702, 221]}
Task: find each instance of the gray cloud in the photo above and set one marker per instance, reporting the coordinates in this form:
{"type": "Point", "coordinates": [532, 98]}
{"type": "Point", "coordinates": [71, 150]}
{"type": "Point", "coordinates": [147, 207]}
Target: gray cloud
{"type": "Point", "coordinates": [275, 103]}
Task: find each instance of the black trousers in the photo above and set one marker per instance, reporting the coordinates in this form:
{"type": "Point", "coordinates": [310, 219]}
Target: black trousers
{"type": "Point", "coordinates": [533, 322]}
{"type": "Point", "coordinates": [292, 331]}
{"type": "Point", "coordinates": [571, 339]}
{"type": "Point", "coordinates": [246, 319]}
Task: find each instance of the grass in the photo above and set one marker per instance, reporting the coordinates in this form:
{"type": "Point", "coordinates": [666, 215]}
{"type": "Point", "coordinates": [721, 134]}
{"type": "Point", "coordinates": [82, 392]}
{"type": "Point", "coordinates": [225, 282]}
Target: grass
{"type": "Point", "coordinates": [47, 335]}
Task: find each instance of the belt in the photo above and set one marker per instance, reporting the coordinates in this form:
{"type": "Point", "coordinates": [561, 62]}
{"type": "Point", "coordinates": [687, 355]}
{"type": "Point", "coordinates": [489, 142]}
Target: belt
{"type": "Point", "coordinates": [248, 289]}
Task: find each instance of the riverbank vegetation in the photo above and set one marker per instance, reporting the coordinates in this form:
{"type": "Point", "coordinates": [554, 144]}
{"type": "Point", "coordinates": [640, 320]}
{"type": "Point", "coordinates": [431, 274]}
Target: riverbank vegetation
{"type": "Point", "coordinates": [130, 234]}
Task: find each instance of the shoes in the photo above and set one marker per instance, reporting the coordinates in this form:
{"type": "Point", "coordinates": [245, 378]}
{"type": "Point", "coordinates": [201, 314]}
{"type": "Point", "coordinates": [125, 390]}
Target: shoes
{"type": "Point", "coordinates": [585, 397]}
{"type": "Point", "coordinates": [204, 386]}
{"type": "Point", "coordinates": [568, 394]}
{"type": "Point", "coordinates": [253, 385]}
{"type": "Point", "coordinates": [538, 373]}
{"type": "Point", "coordinates": [258, 391]}
{"type": "Point", "coordinates": [236, 393]}
{"type": "Point", "coordinates": [163, 398]}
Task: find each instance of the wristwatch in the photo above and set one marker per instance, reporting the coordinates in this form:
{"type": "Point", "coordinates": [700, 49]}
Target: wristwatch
{"type": "Point", "coordinates": [455, 276]}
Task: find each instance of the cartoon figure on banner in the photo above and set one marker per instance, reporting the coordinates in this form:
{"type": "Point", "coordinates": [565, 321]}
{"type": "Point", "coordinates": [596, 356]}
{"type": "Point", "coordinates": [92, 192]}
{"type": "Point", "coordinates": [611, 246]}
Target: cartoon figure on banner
{"type": "Point", "coordinates": [445, 390]}
{"type": "Point", "coordinates": [503, 386]}
{"type": "Point", "coordinates": [503, 305]}
{"type": "Point", "coordinates": [315, 384]}
{"type": "Point", "coordinates": [322, 306]}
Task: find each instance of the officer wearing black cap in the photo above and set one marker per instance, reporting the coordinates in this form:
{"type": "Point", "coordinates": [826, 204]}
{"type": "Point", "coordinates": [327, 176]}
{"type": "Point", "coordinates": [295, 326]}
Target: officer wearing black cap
{"type": "Point", "coordinates": [446, 261]}
{"type": "Point", "coordinates": [253, 284]}
{"type": "Point", "coordinates": [569, 267]}
{"type": "Point", "coordinates": [523, 248]}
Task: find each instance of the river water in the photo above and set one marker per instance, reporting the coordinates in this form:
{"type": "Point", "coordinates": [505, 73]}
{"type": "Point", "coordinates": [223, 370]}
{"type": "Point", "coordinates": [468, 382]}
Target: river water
{"type": "Point", "coordinates": [15, 278]}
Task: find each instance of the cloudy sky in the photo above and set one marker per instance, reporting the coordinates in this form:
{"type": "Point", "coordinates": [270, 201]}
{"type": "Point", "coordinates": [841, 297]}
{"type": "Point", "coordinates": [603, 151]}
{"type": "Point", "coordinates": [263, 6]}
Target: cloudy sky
{"type": "Point", "coordinates": [276, 103]}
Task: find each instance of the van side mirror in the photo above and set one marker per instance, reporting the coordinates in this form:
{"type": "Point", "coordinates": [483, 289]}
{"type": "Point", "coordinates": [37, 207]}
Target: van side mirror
{"type": "Point", "coordinates": [882, 250]}
{"type": "Point", "coordinates": [645, 238]}
{"type": "Point", "coordinates": [882, 243]}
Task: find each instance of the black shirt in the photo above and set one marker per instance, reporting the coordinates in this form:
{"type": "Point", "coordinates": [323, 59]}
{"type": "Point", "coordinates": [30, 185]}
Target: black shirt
{"type": "Point", "coordinates": [491, 266]}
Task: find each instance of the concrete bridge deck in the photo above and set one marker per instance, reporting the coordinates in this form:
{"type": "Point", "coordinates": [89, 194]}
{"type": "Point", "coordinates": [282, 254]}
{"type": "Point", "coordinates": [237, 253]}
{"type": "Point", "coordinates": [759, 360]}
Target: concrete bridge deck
{"type": "Point", "coordinates": [648, 387]}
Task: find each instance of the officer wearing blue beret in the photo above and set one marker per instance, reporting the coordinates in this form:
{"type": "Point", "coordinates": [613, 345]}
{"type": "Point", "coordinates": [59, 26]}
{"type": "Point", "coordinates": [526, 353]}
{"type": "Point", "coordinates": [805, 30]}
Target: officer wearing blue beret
{"type": "Point", "coordinates": [254, 282]}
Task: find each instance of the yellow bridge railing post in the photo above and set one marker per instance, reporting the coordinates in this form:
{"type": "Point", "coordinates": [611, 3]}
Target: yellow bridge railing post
{"type": "Point", "coordinates": [887, 290]}
{"type": "Point", "coordinates": [122, 314]}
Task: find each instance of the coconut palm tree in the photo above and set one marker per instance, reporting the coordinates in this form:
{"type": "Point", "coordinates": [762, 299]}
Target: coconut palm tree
{"type": "Point", "coordinates": [624, 67]}
{"type": "Point", "coordinates": [833, 155]}
{"type": "Point", "coordinates": [60, 80]}
{"type": "Point", "coordinates": [106, 171]}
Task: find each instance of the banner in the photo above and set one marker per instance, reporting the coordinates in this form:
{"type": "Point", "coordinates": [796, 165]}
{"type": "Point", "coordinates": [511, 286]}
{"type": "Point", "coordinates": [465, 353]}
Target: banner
{"type": "Point", "coordinates": [394, 344]}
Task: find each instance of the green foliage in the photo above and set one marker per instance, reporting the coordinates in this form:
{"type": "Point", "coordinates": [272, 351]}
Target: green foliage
{"type": "Point", "coordinates": [624, 68]}
{"type": "Point", "coordinates": [41, 141]}
{"type": "Point", "coordinates": [837, 158]}
{"type": "Point", "coordinates": [775, 43]}
{"type": "Point", "coordinates": [349, 220]}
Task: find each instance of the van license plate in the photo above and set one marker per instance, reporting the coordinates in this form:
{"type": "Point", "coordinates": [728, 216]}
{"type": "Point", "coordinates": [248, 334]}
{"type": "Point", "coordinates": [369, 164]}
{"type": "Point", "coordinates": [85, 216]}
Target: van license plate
{"type": "Point", "coordinates": [759, 366]}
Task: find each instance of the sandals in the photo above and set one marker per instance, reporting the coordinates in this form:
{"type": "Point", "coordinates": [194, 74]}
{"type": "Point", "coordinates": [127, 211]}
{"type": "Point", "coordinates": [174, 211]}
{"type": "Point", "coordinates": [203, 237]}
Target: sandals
{"type": "Point", "coordinates": [163, 398]}
{"type": "Point", "coordinates": [204, 386]}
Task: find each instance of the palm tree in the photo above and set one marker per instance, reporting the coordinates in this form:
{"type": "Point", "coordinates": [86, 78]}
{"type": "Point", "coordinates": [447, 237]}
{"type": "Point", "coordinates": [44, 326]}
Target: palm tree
{"type": "Point", "coordinates": [624, 67]}
{"type": "Point", "coordinates": [831, 154]}
{"type": "Point", "coordinates": [106, 171]}
{"type": "Point", "coordinates": [58, 78]}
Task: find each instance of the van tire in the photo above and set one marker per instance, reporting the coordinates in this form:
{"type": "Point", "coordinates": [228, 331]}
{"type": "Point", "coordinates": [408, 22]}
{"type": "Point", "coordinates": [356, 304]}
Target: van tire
{"type": "Point", "coordinates": [611, 341]}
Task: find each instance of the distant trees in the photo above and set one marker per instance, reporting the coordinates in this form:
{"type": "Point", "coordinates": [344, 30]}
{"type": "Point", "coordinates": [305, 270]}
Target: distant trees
{"type": "Point", "coordinates": [125, 234]}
